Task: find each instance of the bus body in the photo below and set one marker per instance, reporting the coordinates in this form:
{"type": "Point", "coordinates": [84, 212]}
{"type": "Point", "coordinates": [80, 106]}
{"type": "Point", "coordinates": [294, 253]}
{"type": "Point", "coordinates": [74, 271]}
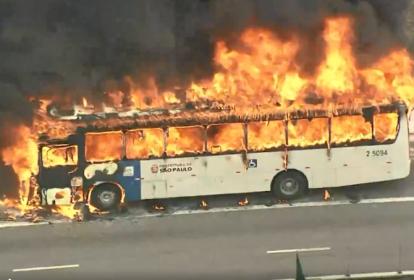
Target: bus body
{"type": "Point", "coordinates": [287, 171]}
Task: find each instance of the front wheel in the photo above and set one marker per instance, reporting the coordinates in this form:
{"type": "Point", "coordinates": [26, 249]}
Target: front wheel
{"type": "Point", "coordinates": [106, 197]}
{"type": "Point", "coordinates": [289, 185]}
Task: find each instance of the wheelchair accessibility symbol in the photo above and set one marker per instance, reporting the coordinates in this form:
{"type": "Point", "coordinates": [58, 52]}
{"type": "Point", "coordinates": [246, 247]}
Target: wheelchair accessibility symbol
{"type": "Point", "coordinates": [252, 163]}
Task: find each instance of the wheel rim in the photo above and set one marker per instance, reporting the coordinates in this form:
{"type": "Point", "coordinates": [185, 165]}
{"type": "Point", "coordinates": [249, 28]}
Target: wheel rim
{"type": "Point", "coordinates": [107, 198]}
{"type": "Point", "coordinates": [289, 186]}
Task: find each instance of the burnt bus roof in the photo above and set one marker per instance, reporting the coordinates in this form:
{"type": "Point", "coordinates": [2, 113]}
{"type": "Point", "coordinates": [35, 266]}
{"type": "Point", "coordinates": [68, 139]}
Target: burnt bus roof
{"type": "Point", "coordinates": [156, 118]}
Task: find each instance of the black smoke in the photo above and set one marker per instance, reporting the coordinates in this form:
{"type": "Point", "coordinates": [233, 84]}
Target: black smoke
{"type": "Point", "coordinates": [65, 49]}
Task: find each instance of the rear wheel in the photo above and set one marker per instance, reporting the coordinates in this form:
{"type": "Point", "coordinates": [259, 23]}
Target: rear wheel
{"type": "Point", "coordinates": [289, 185]}
{"type": "Point", "coordinates": [106, 197]}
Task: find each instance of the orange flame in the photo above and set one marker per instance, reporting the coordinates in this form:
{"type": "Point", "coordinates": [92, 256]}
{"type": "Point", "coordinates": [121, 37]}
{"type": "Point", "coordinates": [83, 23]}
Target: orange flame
{"type": "Point", "coordinates": [244, 202]}
{"type": "Point", "coordinates": [203, 204]}
{"type": "Point", "coordinates": [158, 208]}
{"type": "Point", "coordinates": [326, 195]}
{"type": "Point", "coordinates": [23, 157]}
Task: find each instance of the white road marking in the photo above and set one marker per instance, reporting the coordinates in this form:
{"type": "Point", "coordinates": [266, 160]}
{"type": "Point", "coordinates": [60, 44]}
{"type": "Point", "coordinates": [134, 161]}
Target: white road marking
{"type": "Point", "coordinates": [393, 274]}
{"type": "Point", "coordinates": [299, 250]}
{"type": "Point", "coordinates": [26, 224]}
{"type": "Point", "coordinates": [21, 224]}
{"type": "Point", "coordinates": [45, 268]}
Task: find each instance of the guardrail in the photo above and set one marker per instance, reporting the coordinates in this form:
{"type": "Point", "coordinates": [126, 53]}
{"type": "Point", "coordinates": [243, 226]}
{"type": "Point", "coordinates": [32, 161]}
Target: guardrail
{"type": "Point", "coordinates": [368, 257]}
{"type": "Point", "coordinates": [377, 275]}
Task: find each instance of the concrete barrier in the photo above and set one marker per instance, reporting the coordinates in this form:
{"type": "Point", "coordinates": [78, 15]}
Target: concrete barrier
{"type": "Point", "coordinates": [403, 275]}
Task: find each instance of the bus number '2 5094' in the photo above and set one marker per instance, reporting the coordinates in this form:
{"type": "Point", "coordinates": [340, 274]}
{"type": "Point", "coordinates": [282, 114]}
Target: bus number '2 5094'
{"type": "Point", "coordinates": [378, 153]}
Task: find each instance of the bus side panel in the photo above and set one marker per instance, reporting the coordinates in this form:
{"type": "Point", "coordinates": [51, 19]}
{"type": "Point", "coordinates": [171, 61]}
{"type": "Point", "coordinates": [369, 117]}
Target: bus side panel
{"type": "Point", "coordinates": [377, 163]}
{"type": "Point", "coordinates": [130, 178]}
{"type": "Point", "coordinates": [153, 184]}
{"type": "Point", "coordinates": [224, 174]}
{"type": "Point", "coordinates": [343, 166]}
{"type": "Point", "coordinates": [262, 169]}
{"type": "Point", "coordinates": [182, 176]}
{"type": "Point", "coordinates": [401, 160]}
{"type": "Point", "coordinates": [171, 177]}
{"type": "Point", "coordinates": [125, 173]}
{"type": "Point", "coordinates": [315, 164]}
{"type": "Point", "coordinates": [355, 165]}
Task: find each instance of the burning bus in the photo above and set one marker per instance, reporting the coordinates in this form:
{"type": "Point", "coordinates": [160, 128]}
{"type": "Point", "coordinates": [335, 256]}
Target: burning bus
{"type": "Point", "coordinates": [162, 154]}
{"type": "Point", "coordinates": [258, 124]}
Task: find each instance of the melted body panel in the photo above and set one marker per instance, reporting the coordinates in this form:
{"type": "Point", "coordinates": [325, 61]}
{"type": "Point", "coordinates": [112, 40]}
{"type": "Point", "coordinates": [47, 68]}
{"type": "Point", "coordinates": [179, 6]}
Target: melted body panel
{"type": "Point", "coordinates": [100, 169]}
{"type": "Point", "coordinates": [57, 196]}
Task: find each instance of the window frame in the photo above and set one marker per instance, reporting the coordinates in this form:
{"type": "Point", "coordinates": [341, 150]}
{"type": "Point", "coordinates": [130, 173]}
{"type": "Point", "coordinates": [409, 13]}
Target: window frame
{"type": "Point", "coordinates": [50, 146]}
{"type": "Point", "coordinates": [227, 152]}
{"type": "Point", "coordinates": [151, 156]}
{"type": "Point", "coordinates": [109, 160]}
{"type": "Point", "coordinates": [186, 154]}
{"type": "Point", "coordinates": [286, 123]}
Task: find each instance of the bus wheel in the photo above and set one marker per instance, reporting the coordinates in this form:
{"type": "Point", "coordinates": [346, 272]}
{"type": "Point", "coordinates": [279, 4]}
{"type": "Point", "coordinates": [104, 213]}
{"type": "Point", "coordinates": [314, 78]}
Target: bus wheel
{"type": "Point", "coordinates": [106, 197]}
{"type": "Point", "coordinates": [289, 185]}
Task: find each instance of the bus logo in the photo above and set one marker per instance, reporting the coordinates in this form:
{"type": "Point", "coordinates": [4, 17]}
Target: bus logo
{"type": "Point", "coordinates": [154, 168]}
{"type": "Point", "coordinates": [252, 163]}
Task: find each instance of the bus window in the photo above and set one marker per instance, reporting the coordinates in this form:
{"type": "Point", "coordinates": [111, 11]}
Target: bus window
{"type": "Point", "coordinates": [265, 135]}
{"type": "Point", "coordinates": [349, 129]}
{"type": "Point", "coordinates": [225, 138]}
{"type": "Point", "coordinates": [104, 146]}
{"type": "Point", "coordinates": [302, 133]}
{"type": "Point", "coordinates": [59, 155]}
{"type": "Point", "coordinates": [181, 140]}
{"type": "Point", "coordinates": [144, 143]}
{"type": "Point", "coordinates": [385, 127]}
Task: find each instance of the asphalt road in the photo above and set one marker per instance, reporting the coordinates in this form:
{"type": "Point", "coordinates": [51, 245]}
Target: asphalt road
{"type": "Point", "coordinates": [362, 238]}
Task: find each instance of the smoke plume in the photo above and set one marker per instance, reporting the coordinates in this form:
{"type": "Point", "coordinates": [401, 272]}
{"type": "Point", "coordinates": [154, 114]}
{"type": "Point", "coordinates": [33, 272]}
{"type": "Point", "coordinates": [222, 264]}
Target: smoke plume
{"type": "Point", "coordinates": [65, 49]}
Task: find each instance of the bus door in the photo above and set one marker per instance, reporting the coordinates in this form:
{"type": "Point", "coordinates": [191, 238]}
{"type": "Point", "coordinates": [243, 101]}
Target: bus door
{"type": "Point", "coordinates": [57, 167]}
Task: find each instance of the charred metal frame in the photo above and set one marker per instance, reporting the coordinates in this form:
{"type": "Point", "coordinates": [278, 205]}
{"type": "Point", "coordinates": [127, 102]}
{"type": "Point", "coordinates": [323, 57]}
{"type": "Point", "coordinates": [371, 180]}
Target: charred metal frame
{"type": "Point", "coordinates": [144, 123]}
{"type": "Point", "coordinates": [204, 119]}
{"type": "Point", "coordinates": [160, 118]}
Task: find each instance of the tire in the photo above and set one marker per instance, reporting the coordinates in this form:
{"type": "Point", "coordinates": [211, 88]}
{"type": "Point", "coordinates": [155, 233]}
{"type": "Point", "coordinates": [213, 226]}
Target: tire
{"type": "Point", "coordinates": [106, 197]}
{"type": "Point", "coordinates": [289, 185]}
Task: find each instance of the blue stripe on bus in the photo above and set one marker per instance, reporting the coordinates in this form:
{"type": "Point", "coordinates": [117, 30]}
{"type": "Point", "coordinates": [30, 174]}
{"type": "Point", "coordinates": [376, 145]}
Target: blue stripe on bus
{"type": "Point", "coordinates": [130, 181]}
